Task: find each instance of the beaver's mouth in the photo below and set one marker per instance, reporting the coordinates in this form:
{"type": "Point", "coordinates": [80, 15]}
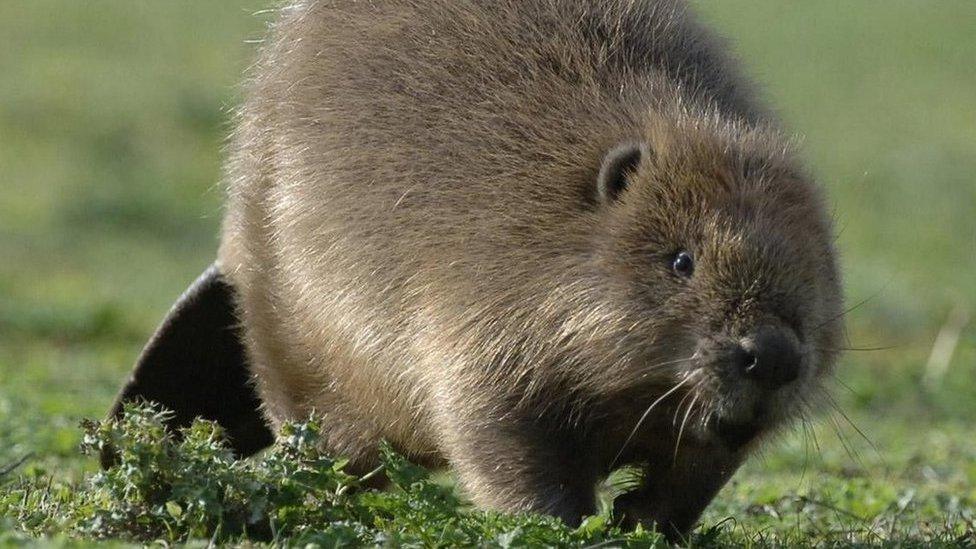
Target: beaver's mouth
{"type": "Point", "coordinates": [735, 435]}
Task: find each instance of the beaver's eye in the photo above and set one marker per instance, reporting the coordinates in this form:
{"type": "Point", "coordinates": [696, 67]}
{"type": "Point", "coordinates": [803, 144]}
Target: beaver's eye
{"type": "Point", "coordinates": [683, 264]}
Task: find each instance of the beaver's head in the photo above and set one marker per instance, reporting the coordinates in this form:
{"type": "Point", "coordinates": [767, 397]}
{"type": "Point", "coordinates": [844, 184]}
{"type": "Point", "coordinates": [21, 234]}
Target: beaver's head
{"type": "Point", "coordinates": [715, 233]}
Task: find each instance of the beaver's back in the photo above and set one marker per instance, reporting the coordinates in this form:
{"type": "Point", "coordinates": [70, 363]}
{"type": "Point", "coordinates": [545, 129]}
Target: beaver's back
{"type": "Point", "coordinates": [402, 168]}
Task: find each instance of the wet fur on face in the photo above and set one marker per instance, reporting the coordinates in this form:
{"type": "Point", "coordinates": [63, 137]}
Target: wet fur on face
{"type": "Point", "coordinates": [426, 249]}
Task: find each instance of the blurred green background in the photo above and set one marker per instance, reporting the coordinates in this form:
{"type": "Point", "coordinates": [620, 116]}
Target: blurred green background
{"type": "Point", "coordinates": [112, 118]}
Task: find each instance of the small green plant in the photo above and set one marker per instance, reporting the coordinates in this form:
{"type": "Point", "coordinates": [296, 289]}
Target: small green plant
{"type": "Point", "coordinates": [190, 486]}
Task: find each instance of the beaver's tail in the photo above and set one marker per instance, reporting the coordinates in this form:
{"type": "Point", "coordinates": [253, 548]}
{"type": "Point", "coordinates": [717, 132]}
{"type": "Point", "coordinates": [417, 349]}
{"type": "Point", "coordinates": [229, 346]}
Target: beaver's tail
{"type": "Point", "coordinates": [195, 365]}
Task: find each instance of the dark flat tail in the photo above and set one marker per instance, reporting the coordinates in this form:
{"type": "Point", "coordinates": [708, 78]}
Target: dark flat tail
{"type": "Point", "coordinates": [195, 365]}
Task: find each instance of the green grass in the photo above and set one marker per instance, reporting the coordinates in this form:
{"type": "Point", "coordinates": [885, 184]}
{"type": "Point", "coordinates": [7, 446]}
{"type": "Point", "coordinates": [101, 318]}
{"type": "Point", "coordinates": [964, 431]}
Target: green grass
{"type": "Point", "coordinates": [174, 490]}
{"type": "Point", "coordinates": [112, 115]}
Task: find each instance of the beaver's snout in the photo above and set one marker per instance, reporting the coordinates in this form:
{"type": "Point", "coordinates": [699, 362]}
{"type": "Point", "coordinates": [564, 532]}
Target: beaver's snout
{"type": "Point", "coordinates": [761, 361]}
{"type": "Point", "coordinates": [770, 357]}
{"type": "Point", "coordinates": [751, 378]}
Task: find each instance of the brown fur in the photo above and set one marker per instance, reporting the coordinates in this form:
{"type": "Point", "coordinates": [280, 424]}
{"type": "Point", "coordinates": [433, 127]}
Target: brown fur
{"type": "Point", "coordinates": [421, 254]}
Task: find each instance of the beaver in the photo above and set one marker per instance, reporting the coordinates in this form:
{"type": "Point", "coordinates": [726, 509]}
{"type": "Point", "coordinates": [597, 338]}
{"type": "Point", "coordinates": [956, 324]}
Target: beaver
{"type": "Point", "coordinates": [531, 240]}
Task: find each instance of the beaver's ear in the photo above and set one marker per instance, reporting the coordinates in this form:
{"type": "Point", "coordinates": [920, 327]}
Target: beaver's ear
{"type": "Point", "coordinates": [619, 165]}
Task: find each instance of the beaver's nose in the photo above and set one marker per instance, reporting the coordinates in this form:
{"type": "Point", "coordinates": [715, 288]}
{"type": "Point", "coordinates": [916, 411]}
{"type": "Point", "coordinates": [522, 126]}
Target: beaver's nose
{"type": "Point", "coordinates": [770, 357]}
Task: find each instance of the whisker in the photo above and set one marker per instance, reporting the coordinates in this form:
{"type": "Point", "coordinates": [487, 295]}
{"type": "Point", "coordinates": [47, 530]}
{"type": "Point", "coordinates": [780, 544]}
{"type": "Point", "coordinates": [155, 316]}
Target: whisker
{"type": "Point", "coordinates": [681, 431]}
{"type": "Point", "coordinates": [855, 306]}
{"type": "Point", "coordinates": [859, 349]}
{"type": "Point", "coordinates": [644, 416]}
{"type": "Point", "coordinates": [668, 363]}
{"type": "Point", "coordinates": [851, 423]}
{"type": "Point", "coordinates": [804, 424]}
{"type": "Point", "coordinates": [824, 397]}
{"type": "Point", "coordinates": [809, 436]}
{"type": "Point", "coordinates": [842, 384]}
{"type": "Point", "coordinates": [677, 409]}
{"type": "Point", "coordinates": [816, 441]}
{"type": "Point", "coordinates": [806, 411]}
{"type": "Point", "coordinates": [848, 448]}
{"type": "Point", "coordinates": [708, 409]}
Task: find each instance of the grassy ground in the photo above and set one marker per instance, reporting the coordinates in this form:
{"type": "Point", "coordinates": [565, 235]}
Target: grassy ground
{"type": "Point", "coordinates": [111, 120]}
